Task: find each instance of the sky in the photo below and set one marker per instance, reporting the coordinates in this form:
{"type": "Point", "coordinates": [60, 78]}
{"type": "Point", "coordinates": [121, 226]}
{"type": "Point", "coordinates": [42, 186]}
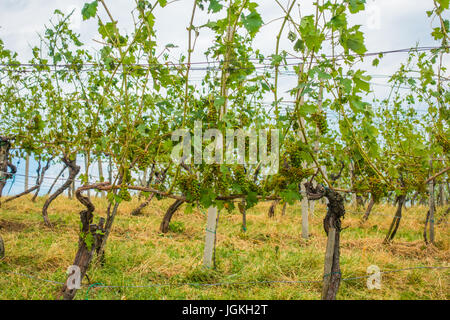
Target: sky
{"type": "Point", "coordinates": [387, 25]}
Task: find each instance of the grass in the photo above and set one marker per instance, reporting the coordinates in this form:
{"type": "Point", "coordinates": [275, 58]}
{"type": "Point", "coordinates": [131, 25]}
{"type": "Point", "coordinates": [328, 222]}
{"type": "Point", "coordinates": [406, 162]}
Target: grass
{"type": "Point", "coordinates": [271, 250]}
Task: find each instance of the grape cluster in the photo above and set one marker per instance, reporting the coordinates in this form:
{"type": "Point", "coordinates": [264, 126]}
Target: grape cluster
{"type": "Point", "coordinates": [443, 142]}
{"type": "Point", "coordinates": [124, 194]}
{"type": "Point", "coordinates": [360, 186]}
{"type": "Point", "coordinates": [377, 188]}
{"type": "Point", "coordinates": [213, 177]}
{"type": "Point", "coordinates": [244, 119]}
{"type": "Point", "coordinates": [416, 181]}
{"type": "Point", "coordinates": [296, 174]}
{"type": "Point", "coordinates": [126, 174]}
{"type": "Point", "coordinates": [212, 114]}
{"type": "Point", "coordinates": [34, 125]}
{"type": "Point", "coordinates": [294, 154]}
{"type": "Point", "coordinates": [320, 119]}
{"type": "Point", "coordinates": [189, 185]}
{"type": "Point", "coordinates": [93, 133]}
{"type": "Point", "coordinates": [223, 182]}
{"type": "Point", "coordinates": [144, 159]}
{"type": "Point", "coordinates": [276, 183]}
{"type": "Point", "coordinates": [240, 177]}
{"type": "Point", "coordinates": [269, 140]}
{"type": "Point", "coordinates": [246, 184]}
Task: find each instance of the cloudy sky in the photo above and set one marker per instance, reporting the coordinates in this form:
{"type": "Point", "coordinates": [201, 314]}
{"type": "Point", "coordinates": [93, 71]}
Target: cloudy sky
{"type": "Point", "coordinates": [387, 24]}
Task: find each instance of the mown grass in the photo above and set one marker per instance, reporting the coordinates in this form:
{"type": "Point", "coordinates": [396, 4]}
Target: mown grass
{"type": "Point", "coordinates": [271, 250]}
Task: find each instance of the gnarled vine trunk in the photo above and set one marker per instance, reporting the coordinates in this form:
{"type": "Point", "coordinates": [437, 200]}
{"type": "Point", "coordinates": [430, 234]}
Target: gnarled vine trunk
{"type": "Point", "coordinates": [368, 210]}
{"type": "Point", "coordinates": [332, 227]}
{"type": "Point", "coordinates": [137, 211]}
{"type": "Point", "coordinates": [41, 179]}
{"type": "Point", "coordinates": [73, 172]}
{"type": "Point", "coordinates": [2, 248]}
{"type": "Point", "coordinates": [272, 208]}
{"type": "Point", "coordinates": [242, 209]}
{"type": "Point", "coordinates": [159, 179]}
{"type": "Point", "coordinates": [164, 227]}
{"type": "Point", "coordinates": [56, 180]}
{"type": "Point", "coordinates": [427, 218]}
{"type": "Point", "coordinates": [90, 239]}
{"type": "Point", "coordinates": [5, 146]}
{"type": "Point", "coordinates": [359, 201]}
{"type": "Point", "coordinates": [396, 221]}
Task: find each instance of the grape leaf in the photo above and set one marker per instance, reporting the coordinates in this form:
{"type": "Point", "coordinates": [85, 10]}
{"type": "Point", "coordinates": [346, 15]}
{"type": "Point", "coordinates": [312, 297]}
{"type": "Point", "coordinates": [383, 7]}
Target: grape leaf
{"type": "Point", "coordinates": [89, 10]}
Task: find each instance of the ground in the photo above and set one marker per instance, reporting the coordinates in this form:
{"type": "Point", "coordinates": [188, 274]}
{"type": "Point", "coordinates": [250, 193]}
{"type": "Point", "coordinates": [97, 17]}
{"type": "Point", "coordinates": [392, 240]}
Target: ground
{"type": "Point", "coordinates": [270, 250]}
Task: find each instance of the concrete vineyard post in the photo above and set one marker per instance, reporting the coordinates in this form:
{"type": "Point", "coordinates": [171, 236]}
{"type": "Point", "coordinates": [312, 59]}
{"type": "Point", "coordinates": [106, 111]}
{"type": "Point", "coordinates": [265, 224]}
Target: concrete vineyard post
{"type": "Point", "coordinates": [100, 173]}
{"type": "Point", "coordinates": [432, 205]}
{"type": "Point", "coordinates": [210, 238]}
{"type": "Point", "coordinates": [305, 222]}
{"type": "Point", "coordinates": [27, 170]}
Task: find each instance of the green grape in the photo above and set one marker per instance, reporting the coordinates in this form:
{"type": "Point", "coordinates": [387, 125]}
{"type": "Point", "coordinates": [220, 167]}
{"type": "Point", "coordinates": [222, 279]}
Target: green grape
{"type": "Point", "coordinates": [320, 119]}
{"type": "Point", "coordinates": [189, 185]}
{"type": "Point", "coordinates": [443, 142]}
{"type": "Point", "coordinates": [124, 194]}
{"type": "Point", "coordinates": [212, 114]}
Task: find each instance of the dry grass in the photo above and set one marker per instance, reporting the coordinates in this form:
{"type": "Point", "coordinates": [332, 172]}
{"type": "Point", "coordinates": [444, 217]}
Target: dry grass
{"type": "Point", "coordinates": [271, 249]}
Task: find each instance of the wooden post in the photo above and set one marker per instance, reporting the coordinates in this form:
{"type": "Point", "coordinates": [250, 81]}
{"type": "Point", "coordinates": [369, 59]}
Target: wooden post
{"type": "Point", "coordinates": [328, 266]}
{"type": "Point", "coordinates": [72, 195]}
{"type": "Point", "coordinates": [332, 227]}
{"type": "Point", "coordinates": [305, 222]}
{"type": "Point", "coordinates": [110, 170]}
{"type": "Point", "coordinates": [100, 173]}
{"type": "Point", "coordinates": [311, 207]}
{"type": "Point", "coordinates": [27, 170]}
{"type": "Point", "coordinates": [242, 209]}
{"type": "Point", "coordinates": [432, 205]}
{"type": "Point", "coordinates": [441, 194]}
{"type": "Point", "coordinates": [144, 177]}
{"type": "Point", "coordinates": [210, 238]}
{"type": "Point", "coordinates": [448, 193]}
{"type": "Point", "coordinates": [143, 182]}
{"type": "Point", "coordinates": [324, 199]}
{"type": "Point", "coordinates": [86, 168]}
{"type": "Point", "coordinates": [352, 174]}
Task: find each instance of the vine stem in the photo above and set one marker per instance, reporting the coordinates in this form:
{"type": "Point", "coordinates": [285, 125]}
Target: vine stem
{"type": "Point", "coordinates": [277, 66]}
{"type": "Point", "coordinates": [436, 175]}
{"type": "Point", "coordinates": [186, 89]}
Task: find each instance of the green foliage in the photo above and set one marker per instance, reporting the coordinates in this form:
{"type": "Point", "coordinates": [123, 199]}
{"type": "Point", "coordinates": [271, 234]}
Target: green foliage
{"type": "Point", "coordinates": [127, 98]}
{"type": "Point", "coordinates": [177, 227]}
{"type": "Point", "coordinates": [252, 22]}
{"type": "Point", "coordinates": [89, 10]}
